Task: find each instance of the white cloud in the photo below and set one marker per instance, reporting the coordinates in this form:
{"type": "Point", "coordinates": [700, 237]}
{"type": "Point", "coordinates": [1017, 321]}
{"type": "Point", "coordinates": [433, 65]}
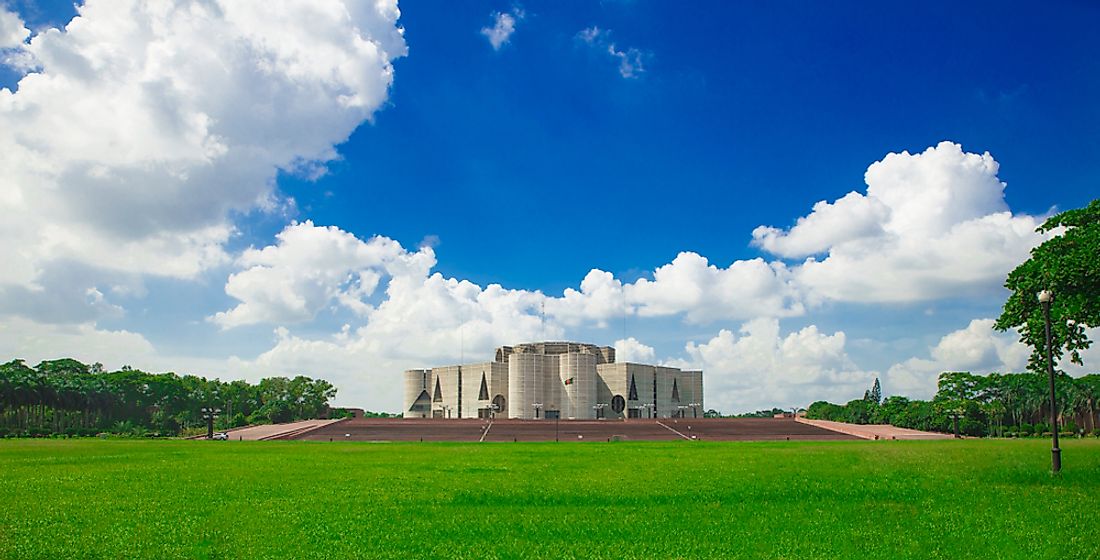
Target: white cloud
{"type": "Point", "coordinates": [34, 342]}
{"type": "Point", "coordinates": [932, 225]}
{"type": "Point", "coordinates": [143, 126]}
{"type": "Point", "coordinates": [504, 25]}
{"type": "Point", "coordinates": [851, 217]}
{"type": "Point", "coordinates": [630, 60]}
{"type": "Point", "coordinates": [590, 35]}
{"type": "Point", "coordinates": [704, 292]}
{"type": "Point", "coordinates": [631, 350]}
{"type": "Point", "coordinates": [978, 349]}
{"type": "Point", "coordinates": [758, 368]}
{"type": "Point", "coordinates": [12, 30]}
{"type": "Point", "coordinates": [599, 299]}
{"type": "Point", "coordinates": [310, 268]}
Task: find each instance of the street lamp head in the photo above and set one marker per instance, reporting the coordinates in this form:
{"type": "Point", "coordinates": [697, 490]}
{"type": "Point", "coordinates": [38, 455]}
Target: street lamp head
{"type": "Point", "coordinates": [1045, 296]}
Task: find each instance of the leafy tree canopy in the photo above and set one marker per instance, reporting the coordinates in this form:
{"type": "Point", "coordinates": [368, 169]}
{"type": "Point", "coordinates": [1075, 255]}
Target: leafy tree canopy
{"type": "Point", "coordinates": [1069, 266]}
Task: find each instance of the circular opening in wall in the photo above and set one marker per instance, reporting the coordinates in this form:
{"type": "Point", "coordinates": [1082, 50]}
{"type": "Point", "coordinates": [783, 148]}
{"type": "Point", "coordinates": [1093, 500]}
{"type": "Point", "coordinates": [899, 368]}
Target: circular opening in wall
{"type": "Point", "coordinates": [618, 404]}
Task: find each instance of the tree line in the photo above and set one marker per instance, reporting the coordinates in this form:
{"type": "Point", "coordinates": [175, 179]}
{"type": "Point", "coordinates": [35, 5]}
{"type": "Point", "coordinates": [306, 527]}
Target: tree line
{"type": "Point", "coordinates": [68, 397]}
{"type": "Point", "coordinates": [1003, 405]}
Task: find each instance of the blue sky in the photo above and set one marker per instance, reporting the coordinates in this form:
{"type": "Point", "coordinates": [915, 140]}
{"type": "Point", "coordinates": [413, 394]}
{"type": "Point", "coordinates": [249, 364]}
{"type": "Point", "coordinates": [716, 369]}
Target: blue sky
{"type": "Point", "coordinates": [531, 162]}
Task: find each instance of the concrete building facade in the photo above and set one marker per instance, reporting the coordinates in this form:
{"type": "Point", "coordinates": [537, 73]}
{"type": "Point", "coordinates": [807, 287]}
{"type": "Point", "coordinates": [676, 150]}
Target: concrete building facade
{"type": "Point", "coordinates": [548, 380]}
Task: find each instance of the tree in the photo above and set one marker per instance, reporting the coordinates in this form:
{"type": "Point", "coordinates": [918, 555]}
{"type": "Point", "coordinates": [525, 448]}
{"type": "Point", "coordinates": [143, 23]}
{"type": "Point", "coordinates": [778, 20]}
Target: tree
{"type": "Point", "coordinates": [1068, 265]}
{"type": "Point", "coordinates": [68, 397]}
{"type": "Point", "coordinates": [876, 392]}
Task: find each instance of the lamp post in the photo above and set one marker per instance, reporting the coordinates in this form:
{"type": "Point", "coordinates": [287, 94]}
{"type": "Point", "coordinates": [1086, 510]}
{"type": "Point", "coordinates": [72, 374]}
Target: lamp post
{"type": "Point", "coordinates": [598, 407]}
{"type": "Point", "coordinates": [209, 414]}
{"type": "Point", "coordinates": [649, 409]}
{"type": "Point", "coordinates": [1045, 298]}
{"type": "Point", "coordinates": [681, 408]}
{"type": "Point", "coordinates": [695, 409]}
{"type": "Point", "coordinates": [537, 406]}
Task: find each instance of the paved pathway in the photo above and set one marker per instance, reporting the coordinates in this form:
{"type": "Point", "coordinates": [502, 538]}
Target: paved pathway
{"type": "Point", "coordinates": [874, 431]}
{"type": "Point", "coordinates": [506, 430]}
{"type": "Point", "coordinates": [277, 431]}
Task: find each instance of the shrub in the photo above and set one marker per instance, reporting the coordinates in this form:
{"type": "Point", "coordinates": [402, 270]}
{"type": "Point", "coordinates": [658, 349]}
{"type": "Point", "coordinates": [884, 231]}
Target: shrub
{"type": "Point", "coordinates": [1096, 432]}
{"type": "Point", "coordinates": [1070, 427]}
{"type": "Point", "coordinates": [193, 431]}
{"type": "Point", "coordinates": [1026, 430]}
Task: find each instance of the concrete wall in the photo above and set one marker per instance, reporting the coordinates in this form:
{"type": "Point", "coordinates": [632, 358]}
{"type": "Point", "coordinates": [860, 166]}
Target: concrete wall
{"type": "Point", "coordinates": [614, 382]}
{"type": "Point", "coordinates": [448, 407]}
{"type": "Point", "coordinates": [416, 381]}
{"type": "Point", "coordinates": [695, 382]}
{"type": "Point", "coordinates": [496, 383]}
{"type": "Point", "coordinates": [523, 370]}
{"type": "Point", "coordinates": [580, 394]}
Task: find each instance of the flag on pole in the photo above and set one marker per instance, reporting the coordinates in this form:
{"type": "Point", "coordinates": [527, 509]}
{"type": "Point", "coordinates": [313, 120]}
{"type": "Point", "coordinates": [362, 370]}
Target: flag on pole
{"type": "Point", "coordinates": [569, 381]}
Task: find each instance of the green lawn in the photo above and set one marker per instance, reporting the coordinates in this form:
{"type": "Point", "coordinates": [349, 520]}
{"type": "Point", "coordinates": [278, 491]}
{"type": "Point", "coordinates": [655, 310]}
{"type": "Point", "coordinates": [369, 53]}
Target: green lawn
{"type": "Point", "coordinates": [181, 499]}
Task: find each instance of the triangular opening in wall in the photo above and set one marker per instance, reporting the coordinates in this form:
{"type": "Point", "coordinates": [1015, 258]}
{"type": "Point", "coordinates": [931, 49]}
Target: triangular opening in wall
{"type": "Point", "coordinates": [422, 403]}
{"type": "Point", "coordinates": [483, 394]}
{"type": "Point", "coordinates": [675, 392]}
{"type": "Point", "coordinates": [633, 394]}
{"type": "Point", "coordinates": [438, 396]}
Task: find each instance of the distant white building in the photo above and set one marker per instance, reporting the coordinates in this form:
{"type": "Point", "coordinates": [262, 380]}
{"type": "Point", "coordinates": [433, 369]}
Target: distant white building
{"type": "Point", "coordinates": [548, 380]}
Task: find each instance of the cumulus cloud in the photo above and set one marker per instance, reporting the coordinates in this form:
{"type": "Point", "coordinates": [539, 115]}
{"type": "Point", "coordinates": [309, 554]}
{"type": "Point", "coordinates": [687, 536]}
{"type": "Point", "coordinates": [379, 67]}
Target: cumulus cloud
{"type": "Point", "coordinates": [310, 268]}
{"type": "Point", "coordinates": [34, 342]}
{"type": "Point", "coordinates": [979, 349]}
{"type": "Point", "coordinates": [12, 30]}
{"type": "Point", "coordinates": [504, 25]}
{"type": "Point", "coordinates": [631, 350]}
{"type": "Point", "coordinates": [141, 127]}
{"type": "Point", "coordinates": [931, 225]}
{"type": "Point", "coordinates": [758, 368]}
{"type": "Point", "coordinates": [629, 60]}
{"type": "Point", "coordinates": [851, 217]}
{"type": "Point", "coordinates": [689, 286]}
{"type": "Point", "coordinates": [704, 292]}
{"type": "Point", "coordinates": [600, 298]}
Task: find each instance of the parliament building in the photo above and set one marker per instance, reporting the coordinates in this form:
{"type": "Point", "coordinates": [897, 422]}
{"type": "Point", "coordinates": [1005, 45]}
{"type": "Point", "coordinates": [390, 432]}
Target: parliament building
{"type": "Point", "coordinates": [549, 380]}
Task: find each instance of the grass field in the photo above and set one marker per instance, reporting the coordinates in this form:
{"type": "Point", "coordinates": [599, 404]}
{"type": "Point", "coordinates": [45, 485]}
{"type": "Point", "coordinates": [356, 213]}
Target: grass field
{"type": "Point", "coordinates": [181, 499]}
